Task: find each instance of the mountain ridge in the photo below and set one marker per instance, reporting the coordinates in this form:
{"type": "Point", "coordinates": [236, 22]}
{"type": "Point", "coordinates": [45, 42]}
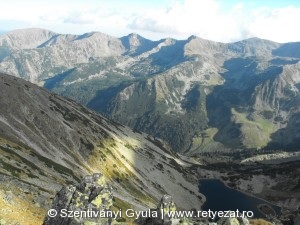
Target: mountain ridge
{"type": "Point", "coordinates": [185, 84]}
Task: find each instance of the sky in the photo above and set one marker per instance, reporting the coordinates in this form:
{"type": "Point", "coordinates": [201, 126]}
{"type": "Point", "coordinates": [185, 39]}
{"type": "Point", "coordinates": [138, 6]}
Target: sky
{"type": "Point", "coordinates": [217, 20]}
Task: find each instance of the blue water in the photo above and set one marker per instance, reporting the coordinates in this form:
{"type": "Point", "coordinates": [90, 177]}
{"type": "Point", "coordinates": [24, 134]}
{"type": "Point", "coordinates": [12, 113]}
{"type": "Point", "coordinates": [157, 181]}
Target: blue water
{"type": "Point", "coordinates": [221, 198]}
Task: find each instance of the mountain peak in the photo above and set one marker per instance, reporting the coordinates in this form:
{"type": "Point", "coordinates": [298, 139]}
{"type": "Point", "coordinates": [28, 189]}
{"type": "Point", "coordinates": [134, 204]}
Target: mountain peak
{"type": "Point", "coordinates": [192, 37]}
{"type": "Point", "coordinates": [26, 38]}
{"type": "Point", "coordinates": [136, 44]}
{"type": "Point", "coordinates": [254, 46]}
{"type": "Point", "coordinates": [134, 35]}
{"type": "Point", "coordinates": [256, 40]}
{"type": "Point", "coordinates": [134, 39]}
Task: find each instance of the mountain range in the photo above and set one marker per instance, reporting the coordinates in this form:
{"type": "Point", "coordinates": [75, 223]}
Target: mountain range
{"type": "Point", "coordinates": [197, 95]}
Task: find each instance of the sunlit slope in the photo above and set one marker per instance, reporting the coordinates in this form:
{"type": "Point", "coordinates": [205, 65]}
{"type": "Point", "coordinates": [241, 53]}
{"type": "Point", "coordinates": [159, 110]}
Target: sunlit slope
{"type": "Point", "coordinates": [47, 141]}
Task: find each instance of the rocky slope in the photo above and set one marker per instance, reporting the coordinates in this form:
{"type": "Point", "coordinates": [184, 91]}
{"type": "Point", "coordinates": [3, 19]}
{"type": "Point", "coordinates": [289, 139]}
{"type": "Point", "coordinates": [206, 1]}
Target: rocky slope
{"type": "Point", "coordinates": [92, 199]}
{"type": "Point", "coordinates": [47, 141]}
{"type": "Point", "coordinates": [92, 194]}
{"type": "Point", "coordinates": [197, 95]}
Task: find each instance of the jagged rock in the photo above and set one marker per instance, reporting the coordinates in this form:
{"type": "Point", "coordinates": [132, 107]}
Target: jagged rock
{"type": "Point", "coordinates": [91, 195]}
{"type": "Point", "coordinates": [165, 207]}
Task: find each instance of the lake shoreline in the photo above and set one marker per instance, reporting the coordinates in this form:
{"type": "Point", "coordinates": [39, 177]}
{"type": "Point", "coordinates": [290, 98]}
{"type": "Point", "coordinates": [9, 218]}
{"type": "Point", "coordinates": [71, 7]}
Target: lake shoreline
{"type": "Point", "coordinates": [250, 197]}
{"type": "Point", "coordinates": [242, 191]}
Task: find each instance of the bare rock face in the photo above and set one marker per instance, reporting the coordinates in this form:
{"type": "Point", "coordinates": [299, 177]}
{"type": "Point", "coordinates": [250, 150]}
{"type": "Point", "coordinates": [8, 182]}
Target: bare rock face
{"type": "Point", "coordinates": [91, 195]}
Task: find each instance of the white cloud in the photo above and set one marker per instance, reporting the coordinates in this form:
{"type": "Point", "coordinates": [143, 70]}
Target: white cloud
{"type": "Point", "coordinates": [279, 24]}
{"type": "Point", "coordinates": [207, 19]}
{"type": "Point", "coordinates": [179, 19]}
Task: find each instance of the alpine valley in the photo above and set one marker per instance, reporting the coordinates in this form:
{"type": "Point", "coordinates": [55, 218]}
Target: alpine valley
{"type": "Point", "coordinates": [170, 113]}
{"type": "Point", "coordinates": [197, 95]}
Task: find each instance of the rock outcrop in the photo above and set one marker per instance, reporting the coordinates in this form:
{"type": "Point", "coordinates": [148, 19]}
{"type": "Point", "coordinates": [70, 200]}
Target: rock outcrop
{"type": "Point", "coordinates": [91, 195]}
{"type": "Point", "coordinates": [94, 195]}
{"type": "Point", "coordinates": [165, 206]}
